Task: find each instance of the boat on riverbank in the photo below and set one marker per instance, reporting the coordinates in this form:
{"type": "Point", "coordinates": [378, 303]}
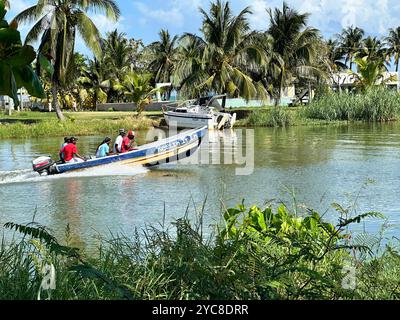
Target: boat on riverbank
{"type": "Point", "coordinates": [199, 112]}
{"type": "Point", "coordinates": [167, 150]}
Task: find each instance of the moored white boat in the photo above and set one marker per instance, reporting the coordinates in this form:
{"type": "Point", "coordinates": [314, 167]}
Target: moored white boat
{"type": "Point", "coordinates": [199, 112]}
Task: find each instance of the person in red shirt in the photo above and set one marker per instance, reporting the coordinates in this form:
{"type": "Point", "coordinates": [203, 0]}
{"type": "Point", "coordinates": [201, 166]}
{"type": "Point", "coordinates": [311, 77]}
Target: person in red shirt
{"type": "Point", "coordinates": [70, 152]}
{"type": "Point", "coordinates": [125, 144]}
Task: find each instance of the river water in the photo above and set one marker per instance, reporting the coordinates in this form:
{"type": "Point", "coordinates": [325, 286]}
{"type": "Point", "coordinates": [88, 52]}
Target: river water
{"type": "Point", "coordinates": [354, 165]}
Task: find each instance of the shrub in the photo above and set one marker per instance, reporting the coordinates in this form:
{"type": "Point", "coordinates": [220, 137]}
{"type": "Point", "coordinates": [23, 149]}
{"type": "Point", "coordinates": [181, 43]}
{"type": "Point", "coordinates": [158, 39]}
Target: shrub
{"type": "Point", "coordinates": [275, 117]}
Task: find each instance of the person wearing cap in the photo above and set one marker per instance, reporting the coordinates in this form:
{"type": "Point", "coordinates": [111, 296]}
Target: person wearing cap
{"type": "Point", "coordinates": [103, 149]}
{"type": "Point", "coordinates": [132, 143]}
{"type": "Point", "coordinates": [119, 141]}
{"type": "Point", "coordinates": [70, 152]}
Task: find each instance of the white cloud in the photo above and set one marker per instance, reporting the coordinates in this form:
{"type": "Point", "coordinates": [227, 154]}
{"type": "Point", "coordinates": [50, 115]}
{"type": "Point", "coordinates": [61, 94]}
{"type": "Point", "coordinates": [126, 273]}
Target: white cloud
{"type": "Point", "coordinates": [171, 16]}
{"type": "Point", "coordinates": [105, 25]}
{"type": "Point", "coordinates": [258, 20]}
{"type": "Point", "coordinates": [374, 16]}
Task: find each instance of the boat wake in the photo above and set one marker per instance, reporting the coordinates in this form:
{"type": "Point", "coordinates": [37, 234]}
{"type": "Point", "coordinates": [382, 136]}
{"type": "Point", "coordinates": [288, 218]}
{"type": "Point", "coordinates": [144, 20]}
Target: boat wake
{"type": "Point", "coordinates": [27, 175]}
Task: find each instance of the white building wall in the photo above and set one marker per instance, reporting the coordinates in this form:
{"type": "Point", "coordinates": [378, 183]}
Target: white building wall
{"type": "Point", "coordinates": [6, 103]}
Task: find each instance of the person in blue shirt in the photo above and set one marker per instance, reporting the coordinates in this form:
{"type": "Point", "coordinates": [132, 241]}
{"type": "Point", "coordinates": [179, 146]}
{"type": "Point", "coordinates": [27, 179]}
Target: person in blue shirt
{"type": "Point", "coordinates": [103, 149]}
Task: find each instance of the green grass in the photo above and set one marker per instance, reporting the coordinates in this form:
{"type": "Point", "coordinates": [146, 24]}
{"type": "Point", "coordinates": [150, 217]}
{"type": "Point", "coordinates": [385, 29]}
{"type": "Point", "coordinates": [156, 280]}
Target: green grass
{"type": "Point", "coordinates": [40, 116]}
{"type": "Point", "coordinates": [77, 127]}
{"type": "Point", "coordinates": [256, 253]}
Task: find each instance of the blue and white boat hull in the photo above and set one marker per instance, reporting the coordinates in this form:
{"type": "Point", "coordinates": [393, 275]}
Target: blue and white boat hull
{"type": "Point", "coordinates": [171, 149]}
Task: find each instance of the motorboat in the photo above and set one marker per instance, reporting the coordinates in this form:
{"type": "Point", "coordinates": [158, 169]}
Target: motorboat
{"type": "Point", "coordinates": [167, 150]}
{"type": "Point", "coordinates": [193, 113]}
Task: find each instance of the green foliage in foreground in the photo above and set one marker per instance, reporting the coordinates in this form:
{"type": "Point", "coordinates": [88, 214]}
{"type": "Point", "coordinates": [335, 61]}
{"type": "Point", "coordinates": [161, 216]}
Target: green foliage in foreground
{"type": "Point", "coordinates": [72, 127]}
{"type": "Point", "coordinates": [255, 254]}
{"type": "Point", "coordinates": [16, 62]}
{"type": "Point", "coordinates": [377, 104]}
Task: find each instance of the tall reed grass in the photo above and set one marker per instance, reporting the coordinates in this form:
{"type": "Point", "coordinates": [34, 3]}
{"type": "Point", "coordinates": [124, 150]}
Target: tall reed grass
{"type": "Point", "coordinates": [274, 117]}
{"type": "Point", "coordinates": [377, 104]}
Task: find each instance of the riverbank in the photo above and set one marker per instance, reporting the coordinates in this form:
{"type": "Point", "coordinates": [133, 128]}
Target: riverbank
{"type": "Point", "coordinates": [257, 253]}
{"type": "Point", "coordinates": [283, 117]}
{"type": "Point", "coordinates": [80, 115]}
{"type": "Point", "coordinates": [374, 105]}
{"type": "Point", "coordinates": [79, 125]}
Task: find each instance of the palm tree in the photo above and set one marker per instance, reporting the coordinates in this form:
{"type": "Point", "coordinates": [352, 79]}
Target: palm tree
{"type": "Point", "coordinates": [189, 69]}
{"type": "Point", "coordinates": [96, 81]}
{"type": "Point", "coordinates": [335, 55]}
{"type": "Point", "coordinates": [350, 39]}
{"type": "Point", "coordinates": [137, 88]}
{"type": "Point", "coordinates": [370, 72]}
{"type": "Point", "coordinates": [393, 41]}
{"type": "Point", "coordinates": [163, 54]}
{"type": "Point", "coordinates": [117, 60]}
{"type": "Point", "coordinates": [73, 91]}
{"type": "Point", "coordinates": [374, 49]}
{"type": "Point", "coordinates": [294, 46]}
{"type": "Point", "coordinates": [218, 60]}
{"type": "Point", "coordinates": [116, 50]}
{"type": "Point", "coordinates": [335, 61]}
{"type": "Point", "coordinates": [58, 21]}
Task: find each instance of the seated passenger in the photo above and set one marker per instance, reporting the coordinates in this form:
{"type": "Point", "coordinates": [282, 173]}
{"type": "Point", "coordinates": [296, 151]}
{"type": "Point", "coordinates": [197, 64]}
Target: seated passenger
{"type": "Point", "coordinates": [125, 144]}
{"type": "Point", "coordinates": [66, 141]}
{"type": "Point", "coordinates": [118, 145]}
{"type": "Point", "coordinates": [132, 143]}
{"type": "Point", "coordinates": [103, 149]}
{"type": "Point", "coordinates": [70, 152]}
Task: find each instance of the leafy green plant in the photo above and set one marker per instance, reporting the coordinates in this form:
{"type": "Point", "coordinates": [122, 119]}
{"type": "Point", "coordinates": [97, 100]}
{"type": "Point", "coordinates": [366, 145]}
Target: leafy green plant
{"type": "Point", "coordinates": [15, 62]}
{"type": "Point", "coordinates": [137, 88]}
{"type": "Point", "coordinates": [370, 73]}
{"type": "Point", "coordinates": [255, 254]}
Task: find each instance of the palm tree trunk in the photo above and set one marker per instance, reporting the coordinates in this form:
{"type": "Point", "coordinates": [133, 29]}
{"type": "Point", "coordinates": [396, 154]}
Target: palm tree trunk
{"type": "Point", "coordinates": [277, 99]}
{"type": "Point", "coordinates": [56, 106]}
{"type": "Point", "coordinates": [95, 100]}
{"type": "Point", "coordinates": [351, 61]}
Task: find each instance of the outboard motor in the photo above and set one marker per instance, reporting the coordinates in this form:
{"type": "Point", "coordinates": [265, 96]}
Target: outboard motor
{"type": "Point", "coordinates": [43, 164]}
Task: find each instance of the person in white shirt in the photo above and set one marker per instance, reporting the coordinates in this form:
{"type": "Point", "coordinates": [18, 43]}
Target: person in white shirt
{"type": "Point", "coordinates": [118, 141]}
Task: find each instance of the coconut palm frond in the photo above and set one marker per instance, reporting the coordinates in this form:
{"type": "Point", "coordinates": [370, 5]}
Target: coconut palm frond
{"type": "Point", "coordinates": [89, 32]}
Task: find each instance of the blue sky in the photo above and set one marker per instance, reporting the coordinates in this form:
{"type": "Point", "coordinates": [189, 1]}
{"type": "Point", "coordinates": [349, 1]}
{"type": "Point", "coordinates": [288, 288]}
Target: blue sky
{"type": "Point", "coordinates": [143, 19]}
